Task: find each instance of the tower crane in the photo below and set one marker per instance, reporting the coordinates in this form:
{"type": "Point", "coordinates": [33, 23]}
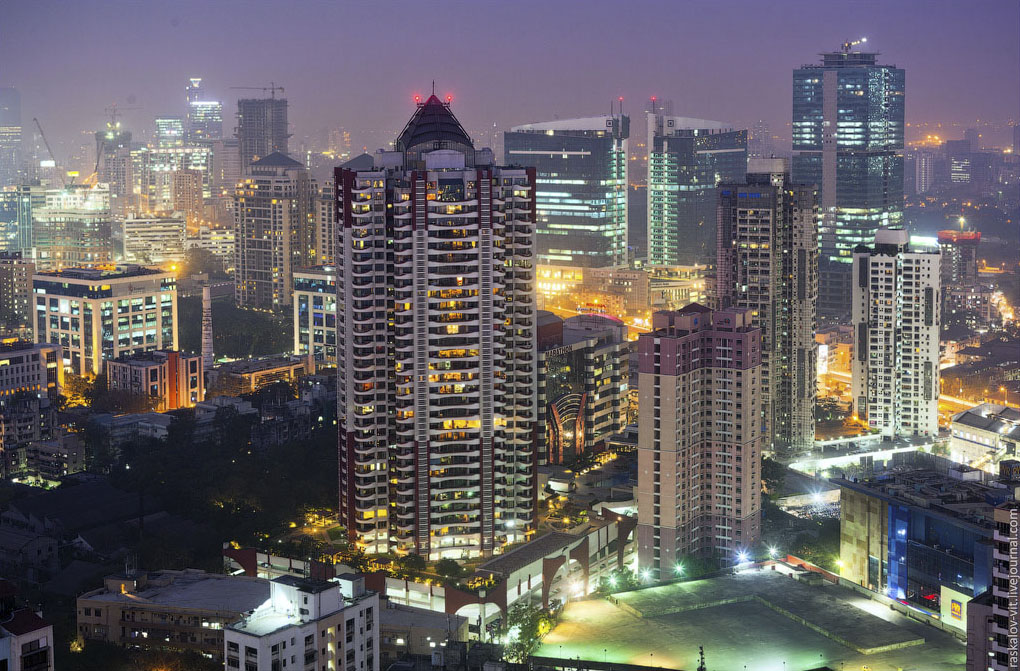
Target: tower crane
{"type": "Point", "coordinates": [272, 88]}
{"type": "Point", "coordinates": [63, 178]}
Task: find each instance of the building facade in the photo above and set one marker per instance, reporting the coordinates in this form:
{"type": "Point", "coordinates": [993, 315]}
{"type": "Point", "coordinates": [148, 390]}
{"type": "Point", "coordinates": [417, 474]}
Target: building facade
{"type": "Point", "coordinates": [959, 257]}
{"type": "Point", "coordinates": [27, 368]}
{"type": "Point", "coordinates": [274, 224]}
{"type": "Point", "coordinates": [993, 619]}
{"type": "Point", "coordinates": [699, 438]}
{"type": "Point", "coordinates": [261, 128]}
{"type": "Point", "coordinates": [768, 263]}
{"type": "Point", "coordinates": [153, 239]}
{"type": "Point", "coordinates": [848, 141]}
{"type": "Point", "coordinates": [10, 137]}
{"type": "Point", "coordinates": [315, 314]}
{"type": "Point", "coordinates": [581, 188]}
{"type": "Point", "coordinates": [16, 271]}
{"type": "Point", "coordinates": [985, 435]}
{"type": "Point", "coordinates": [687, 159]}
{"type": "Point", "coordinates": [98, 315]}
{"type": "Point", "coordinates": [436, 345]}
{"type": "Point", "coordinates": [26, 642]}
{"type": "Point", "coordinates": [205, 117]}
{"type": "Point", "coordinates": [896, 317]}
{"type": "Point", "coordinates": [170, 379]}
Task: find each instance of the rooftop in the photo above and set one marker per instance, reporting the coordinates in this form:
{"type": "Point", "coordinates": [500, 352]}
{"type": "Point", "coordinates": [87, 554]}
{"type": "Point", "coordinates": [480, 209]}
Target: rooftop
{"type": "Point", "coordinates": [529, 552]}
{"type": "Point", "coordinates": [991, 417]}
{"type": "Point", "coordinates": [432, 122]}
{"type": "Point", "coordinates": [279, 160]}
{"type": "Point", "coordinates": [23, 622]}
{"type": "Point", "coordinates": [107, 273]}
{"type": "Point", "coordinates": [194, 590]}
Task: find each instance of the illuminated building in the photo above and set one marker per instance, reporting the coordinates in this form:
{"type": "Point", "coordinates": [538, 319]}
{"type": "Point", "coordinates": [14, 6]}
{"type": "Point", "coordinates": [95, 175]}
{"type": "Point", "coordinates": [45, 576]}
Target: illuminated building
{"type": "Point", "coordinates": [117, 166]}
{"type": "Point", "coordinates": [261, 128]}
{"type": "Point", "coordinates": [436, 345]}
{"type": "Point", "coordinates": [169, 131]}
{"type": "Point", "coordinates": [74, 228]}
{"type": "Point", "coordinates": [217, 241]}
{"type": "Point", "coordinates": [98, 315]}
{"type": "Point", "coordinates": [27, 368]}
{"type": "Point", "coordinates": [29, 198]}
{"type": "Point", "coordinates": [848, 142]}
{"type": "Point", "coordinates": [308, 622]}
{"type": "Point", "coordinates": [205, 117]}
{"type": "Point", "coordinates": [315, 313]}
{"type": "Point", "coordinates": [154, 169]}
{"type": "Point", "coordinates": [768, 263]}
{"type": "Point", "coordinates": [171, 380]}
{"type": "Point", "coordinates": [959, 257]}
{"type": "Point", "coordinates": [226, 166]}
{"type": "Point", "coordinates": [16, 270]}
{"type": "Point", "coordinates": [325, 223]}
{"type": "Point", "coordinates": [924, 170]}
{"type": "Point", "coordinates": [581, 167]}
{"type": "Point", "coordinates": [896, 316]}
{"type": "Point", "coordinates": [687, 159]}
{"type": "Point", "coordinates": [992, 618]}
{"type": "Point", "coordinates": [10, 137]}
{"type": "Point", "coordinates": [699, 437]}
{"type": "Point", "coordinates": [987, 432]}
{"type": "Point", "coordinates": [186, 194]}
{"type": "Point", "coordinates": [154, 239]}
{"type": "Point", "coordinates": [274, 231]}
{"type": "Point", "coordinates": [582, 384]}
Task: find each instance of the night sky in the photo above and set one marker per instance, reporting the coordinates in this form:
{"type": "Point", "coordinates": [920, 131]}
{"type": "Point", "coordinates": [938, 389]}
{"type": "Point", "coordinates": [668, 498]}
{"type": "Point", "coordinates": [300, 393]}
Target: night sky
{"type": "Point", "coordinates": [358, 64]}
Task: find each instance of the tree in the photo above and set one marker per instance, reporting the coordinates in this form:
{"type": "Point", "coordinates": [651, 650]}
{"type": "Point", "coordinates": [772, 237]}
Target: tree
{"type": "Point", "coordinates": [449, 568]}
{"type": "Point", "coordinates": [523, 631]}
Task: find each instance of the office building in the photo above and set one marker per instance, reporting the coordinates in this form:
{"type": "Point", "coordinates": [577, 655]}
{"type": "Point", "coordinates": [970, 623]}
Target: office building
{"type": "Point", "coordinates": [699, 438]}
{"type": "Point", "coordinates": [583, 373]}
{"type": "Point", "coordinates": [959, 257]}
{"type": "Point", "coordinates": [581, 188]}
{"type": "Point", "coordinates": [155, 170]}
{"type": "Point", "coordinates": [308, 623]}
{"type": "Point", "coordinates": [217, 241]}
{"type": "Point", "coordinates": [249, 375]}
{"type": "Point", "coordinates": [117, 166]}
{"type": "Point", "coordinates": [186, 194]}
{"type": "Point", "coordinates": [896, 316]}
{"type": "Point", "coordinates": [985, 435]}
{"type": "Point", "coordinates": [768, 263]}
{"type": "Point", "coordinates": [848, 142]}
{"type": "Point", "coordinates": [26, 642]}
{"type": "Point", "coordinates": [274, 224]}
{"type": "Point", "coordinates": [98, 315]}
{"type": "Point", "coordinates": [153, 239]}
{"type": "Point", "coordinates": [315, 313]}
{"type": "Point", "coordinates": [226, 166]}
{"type": "Point", "coordinates": [687, 159]}
{"type": "Point", "coordinates": [171, 380]}
{"type": "Point", "coordinates": [182, 611]}
{"type": "Point", "coordinates": [261, 128]}
{"type": "Point", "coordinates": [169, 131]}
{"type": "Point", "coordinates": [205, 117]}
{"type": "Point", "coordinates": [759, 141]}
{"type": "Point", "coordinates": [16, 310]}
{"type": "Point", "coordinates": [27, 368]}
{"type": "Point", "coordinates": [10, 137]}
{"type": "Point", "coordinates": [436, 345]}
{"type": "Point", "coordinates": [993, 619]}
{"type": "Point", "coordinates": [74, 229]}
{"type": "Point", "coordinates": [919, 535]}
{"type": "Point", "coordinates": [28, 197]}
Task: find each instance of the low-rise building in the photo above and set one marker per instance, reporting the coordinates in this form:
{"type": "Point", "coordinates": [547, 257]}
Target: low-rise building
{"type": "Point", "coordinates": [315, 313]}
{"type": "Point", "coordinates": [30, 368]}
{"type": "Point", "coordinates": [153, 239]}
{"type": "Point", "coordinates": [220, 242]}
{"type": "Point", "coordinates": [244, 377]}
{"type": "Point", "coordinates": [176, 610]}
{"type": "Point", "coordinates": [27, 555]}
{"type": "Point", "coordinates": [308, 623]}
{"type": "Point", "coordinates": [171, 379]}
{"type": "Point", "coordinates": [406, 630]}
{"type": "Point", "coordinates": [26, 642]}
{"type": "Point", "coordinates": [985, 435]}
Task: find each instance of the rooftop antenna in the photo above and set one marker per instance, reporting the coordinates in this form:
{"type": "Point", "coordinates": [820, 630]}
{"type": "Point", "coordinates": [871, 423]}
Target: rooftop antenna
{"type": "Point", "coordinates": [433, 87]}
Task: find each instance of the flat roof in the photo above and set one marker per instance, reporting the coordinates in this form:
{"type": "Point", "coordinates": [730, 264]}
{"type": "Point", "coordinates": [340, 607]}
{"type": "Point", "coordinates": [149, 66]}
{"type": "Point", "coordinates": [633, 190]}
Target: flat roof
{"type": "Point", "coordinates": [195, 590]}
{"type": "Point", "coordinates": [529, 552]}
{"type": "Point", "coordinates": [96, 274]}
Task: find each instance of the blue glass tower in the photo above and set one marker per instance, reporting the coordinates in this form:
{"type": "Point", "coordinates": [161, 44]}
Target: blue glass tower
{"type": "Point", "coordinates": [848, 140]}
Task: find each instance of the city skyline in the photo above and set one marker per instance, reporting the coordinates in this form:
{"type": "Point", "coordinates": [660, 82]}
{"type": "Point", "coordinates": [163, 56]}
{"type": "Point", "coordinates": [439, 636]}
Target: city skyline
{"type": "Point", "coordinates": [317, 83]}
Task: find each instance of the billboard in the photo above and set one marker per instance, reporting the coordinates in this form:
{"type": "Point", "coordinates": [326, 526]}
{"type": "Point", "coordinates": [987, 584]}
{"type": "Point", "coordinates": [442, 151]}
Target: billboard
{"type": "Point", "coordinates": [954, 607]}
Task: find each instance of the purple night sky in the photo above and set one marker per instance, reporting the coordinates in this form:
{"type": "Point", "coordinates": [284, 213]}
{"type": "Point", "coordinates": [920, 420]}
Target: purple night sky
{"type": "Point", "coordinates": [357, 64]}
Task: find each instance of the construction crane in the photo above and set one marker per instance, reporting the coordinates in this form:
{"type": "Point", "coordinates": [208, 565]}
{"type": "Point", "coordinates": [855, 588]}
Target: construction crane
{"type": "Point", "coordinates": [115, 112]}
{"type": "Point", "coordinates": [46, 142]}
{"type": "Point", "coordinates": [272, 88]}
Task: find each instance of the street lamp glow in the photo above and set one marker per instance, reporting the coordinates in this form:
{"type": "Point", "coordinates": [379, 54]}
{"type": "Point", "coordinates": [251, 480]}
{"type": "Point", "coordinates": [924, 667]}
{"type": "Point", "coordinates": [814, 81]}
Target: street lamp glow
{"type": "Point", "coordinates": [679, 568]}
{"type": "Point", "coordinates": [742, 557]}
{"type": "Point", "coordinates": [646, 574]}
{"type": "Point", "coordinates": [773, 551]}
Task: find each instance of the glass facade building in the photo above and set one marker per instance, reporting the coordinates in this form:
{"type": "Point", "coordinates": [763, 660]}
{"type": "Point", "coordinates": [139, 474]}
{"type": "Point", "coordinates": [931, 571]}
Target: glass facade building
{"type": "Point", "coordinates": [581, 195]}
{"type": "Point", "coordinates": [848, 121]}
{"type": "Point", "coordinates": [687, 159]}
{"type": "Point", "coordinates": [315, 313]}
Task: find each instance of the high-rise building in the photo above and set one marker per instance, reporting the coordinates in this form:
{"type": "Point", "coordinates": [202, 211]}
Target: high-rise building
{"type": "Point", "coordinates": [169, 131]}
{"type": "Point", "coordinates": [98, 315]}
{"type": "Point", "coordinates": [993, 619]}
{"type": "Point", "coordinates": [10, 137]}
{"type": "Point", "coordinates": [153, 239]}
{"type": "Point", "coordinates": [315, 313]}
{"type": "Point", "coordinates": [896, 316]}
{"type": "Point", "coordinates": [226, 166]}
{"type": "Point", "coordinates": [186, 191]}
{"type": "Point", "coordinates": [325, 223]}
{"type": "Point", "coordinates": [73, 229]}
{"type": "Point", "coordinates": [768, 263]}
{"type": "Point", "coordinates": [436, 345]}
{"type": "Point", "coordinates": [16, 310]}
{"type": "Point", "coordinates": [759, 141]}
{"type": "Point", "coordinates": [925, 160]}
{"type": "Point", "coordinates": [116, 166]}
{"type": "Point", "coordinates": [29, 198]}
{"type": "Point", "coordinates": [687, 159]}
{"type": "Point", "coordinates": [848, 142]}
{"type": "Point", "coordinates": [274, 225]}
{"type": "Point", "coordinates": [154, 169]}
{"type": "Point", "coordinates": [959, 257]}
{"type": "Point", "coordinates": [699, 438]}
{"type": "Point", "coordinates": [261, 128]}
{"type": "Point", "coordinates": [205, 117]}
{"type": "Point", "coordinates": [581, 194]}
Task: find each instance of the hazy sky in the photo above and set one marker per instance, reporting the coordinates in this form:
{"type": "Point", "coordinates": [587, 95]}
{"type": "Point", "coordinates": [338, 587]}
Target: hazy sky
{"type": "Point", "coordinates": [358, 64]}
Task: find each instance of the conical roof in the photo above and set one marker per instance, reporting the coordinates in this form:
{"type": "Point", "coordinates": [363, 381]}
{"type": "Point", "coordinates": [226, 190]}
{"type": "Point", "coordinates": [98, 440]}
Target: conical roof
{"type": "Point", "coordinates": [432, 122]}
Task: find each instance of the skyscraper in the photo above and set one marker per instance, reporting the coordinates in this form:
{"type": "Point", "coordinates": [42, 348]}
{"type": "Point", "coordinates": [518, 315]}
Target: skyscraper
{"type": "Point", "coordinates": [436, 345]}
{"type": "Point", "coordinates": [205, 117]}
{"type": "Point", "coordinates": [169, 131]}
{"type": "Point", "coordinates": [687, 158]}
{"type": "Point", "coordinates": [275, 231]}
{"type": "Point", "coordinates": [582, 187]}
{"type": "Point", "coordinates": [896, 317]}
{"type": "Point", "coordinates": [699, 438]}
{"type": "Point", "coordinates": [768, 263]}
{"type": "Point", "coordinates": [261, 128]}
{"type": "Point", "coordinates": [848, 141]}
{"type": "Point", "coordinates": [10, 137]}
{"type": "Point", "coordinates": [116, 168]}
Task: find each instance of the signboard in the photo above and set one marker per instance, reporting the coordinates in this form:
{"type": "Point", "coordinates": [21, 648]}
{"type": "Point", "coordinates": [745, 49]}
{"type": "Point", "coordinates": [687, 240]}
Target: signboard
{"type": "Point", "coordinates": [1009, 470]}
{"type": "Point", "coordinates": [954, 607]}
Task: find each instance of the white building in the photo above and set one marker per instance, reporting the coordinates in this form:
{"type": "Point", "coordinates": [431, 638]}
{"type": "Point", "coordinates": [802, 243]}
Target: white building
{"type": "Point", "coordinates": [154, 240]}
{"type": "Point", "coordinates": [896, 317]}
{"type": "Point", "coordinates": [308, 624]}
{"type": "Point", "coordinates": [216, 241]}
{"type": "Point", "coordinates": [97, 315]}
{"type": "Point", "coordinates": [436, 345]}
{"type": "Point", "coordinates": [315, 313]}
{"type": "Point", "coordinates": [31, 369]}
{"type": "Point", "coordinates": [26, 642]}
{"type": "Point", "coordinates": [986, 433]}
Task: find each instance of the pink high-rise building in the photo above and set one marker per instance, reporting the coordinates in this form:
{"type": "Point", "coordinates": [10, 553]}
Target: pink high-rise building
{"type": "Point", "coordinates": [699, 437]}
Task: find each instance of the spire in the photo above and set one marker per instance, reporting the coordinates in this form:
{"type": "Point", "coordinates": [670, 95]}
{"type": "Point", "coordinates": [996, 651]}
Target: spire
{"type": "Point", "coordinates": [433, 126]}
